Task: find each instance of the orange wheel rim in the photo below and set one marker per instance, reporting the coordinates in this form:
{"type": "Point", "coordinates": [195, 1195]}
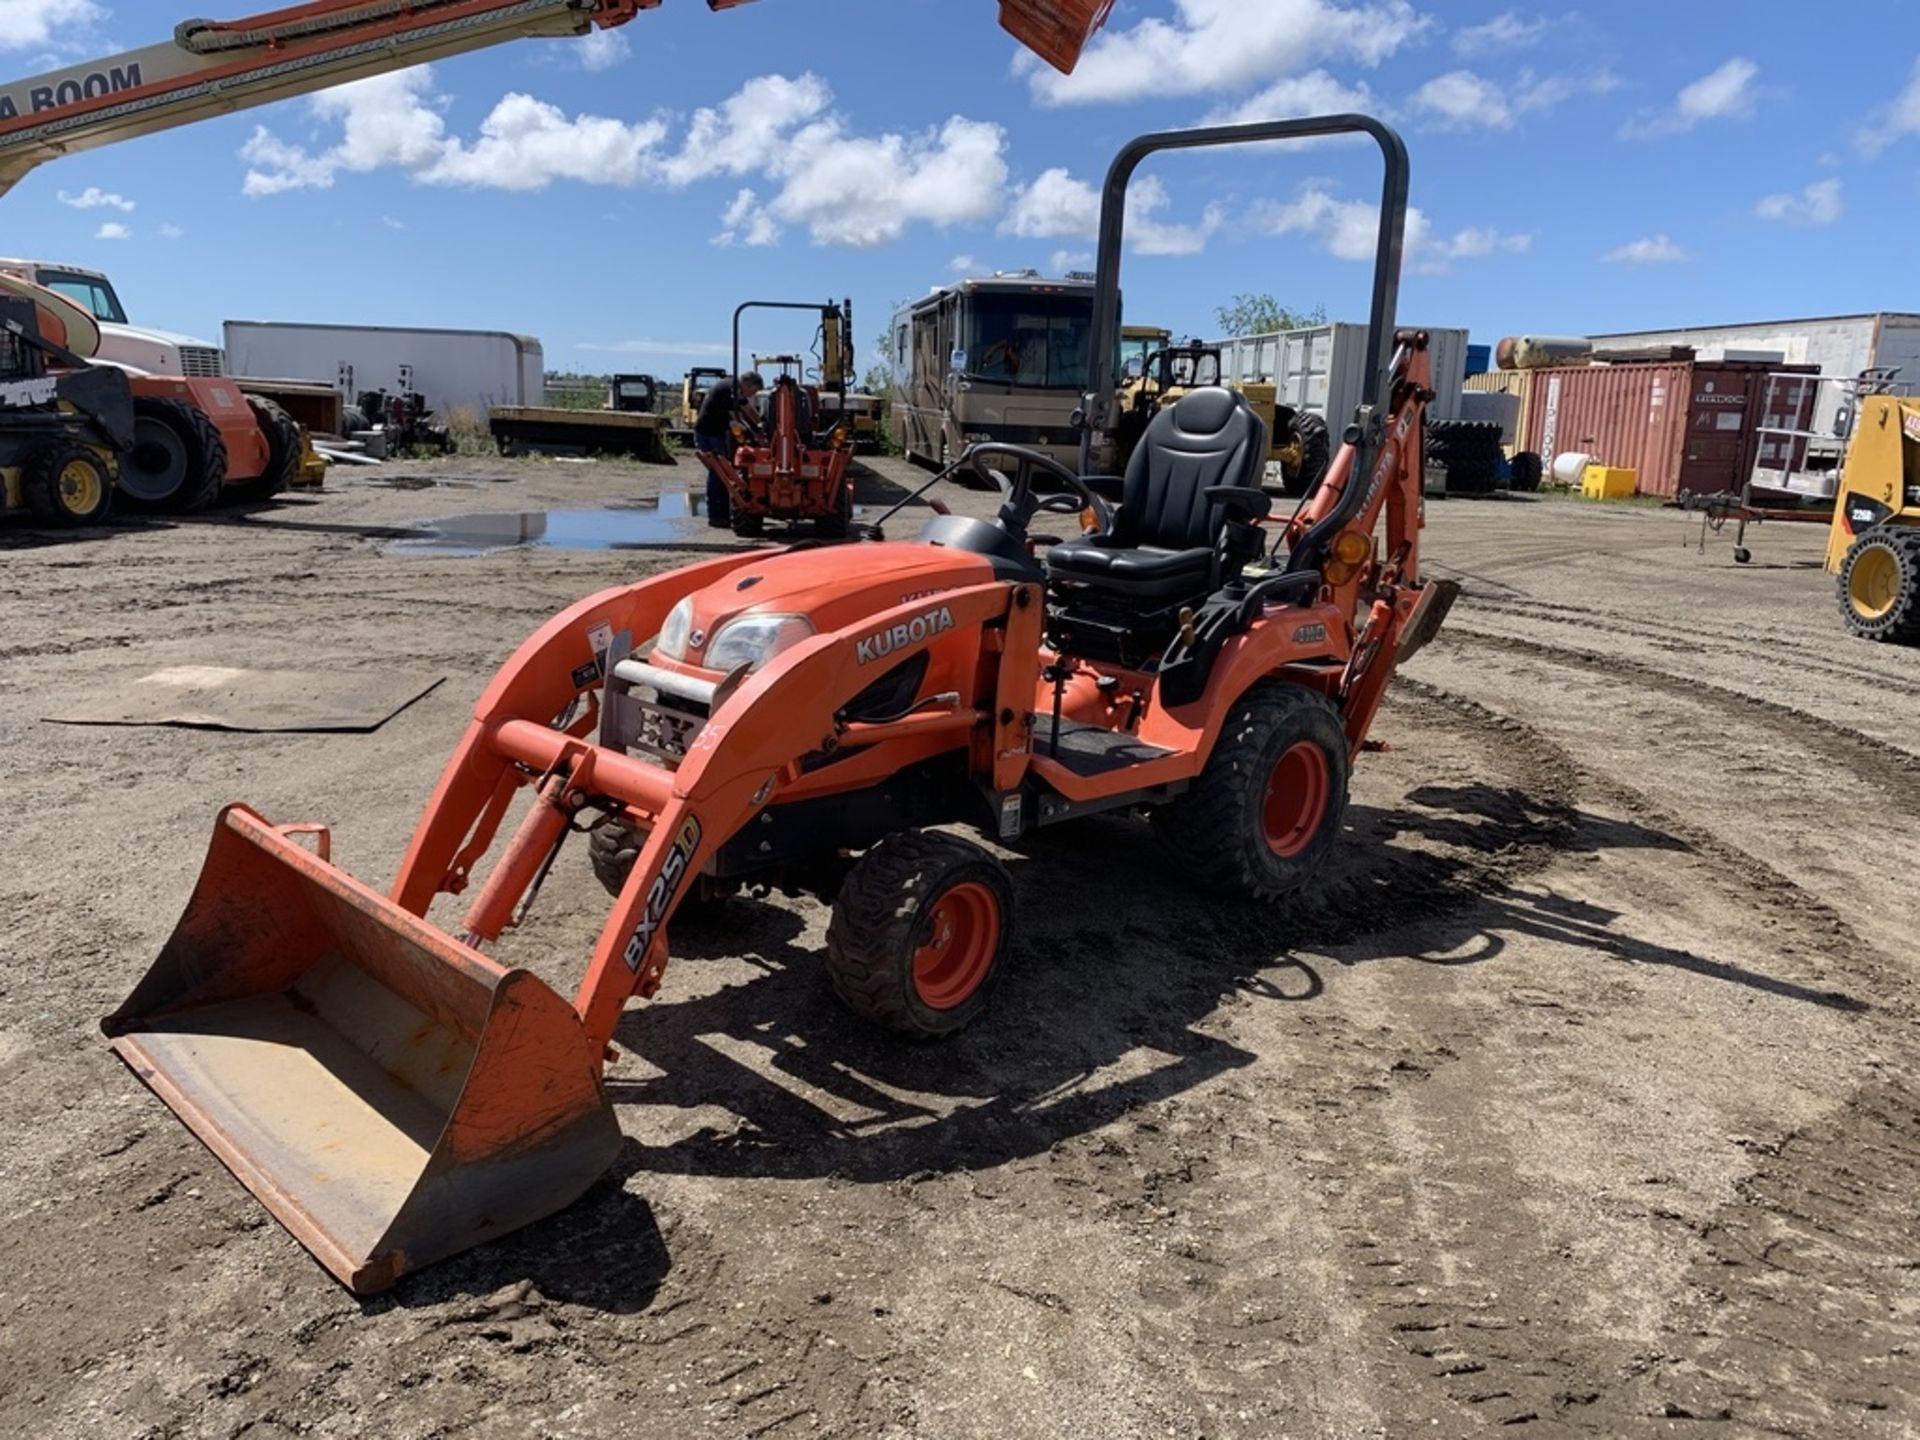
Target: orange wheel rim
{"type": "Point", "coordinates": [1296, 801]}
{"type": "Point", "coordinates": [963, 937]}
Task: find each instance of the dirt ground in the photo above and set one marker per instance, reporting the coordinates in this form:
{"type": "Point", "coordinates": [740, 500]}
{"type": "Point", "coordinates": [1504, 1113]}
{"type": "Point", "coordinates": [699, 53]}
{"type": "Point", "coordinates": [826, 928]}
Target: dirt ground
{"type": "Point", "coordinates": [1580, 1099]}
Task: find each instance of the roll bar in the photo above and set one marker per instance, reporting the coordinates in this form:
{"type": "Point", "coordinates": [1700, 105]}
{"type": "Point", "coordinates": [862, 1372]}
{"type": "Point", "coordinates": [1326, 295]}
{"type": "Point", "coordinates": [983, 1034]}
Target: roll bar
{"type": "Point", "coordinates": [1097, 404]}
{"type": "Point", "coordinates": [843, 309]}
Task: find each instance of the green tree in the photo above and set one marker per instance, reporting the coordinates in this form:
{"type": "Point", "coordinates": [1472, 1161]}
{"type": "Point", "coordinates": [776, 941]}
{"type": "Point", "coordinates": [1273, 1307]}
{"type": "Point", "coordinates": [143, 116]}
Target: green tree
{"type": "Point", "coordinates": [1259, 314]}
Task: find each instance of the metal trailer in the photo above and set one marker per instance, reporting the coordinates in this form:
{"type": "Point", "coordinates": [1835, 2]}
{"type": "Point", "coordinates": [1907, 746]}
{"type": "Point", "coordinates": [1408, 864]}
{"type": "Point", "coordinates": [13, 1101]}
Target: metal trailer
{"type": "Point", "coordinates": [454, 369]}
{"type": "Point", "coordinates": [1321, 368]}
{"type": "Point", "coordinates": [1837, 345]}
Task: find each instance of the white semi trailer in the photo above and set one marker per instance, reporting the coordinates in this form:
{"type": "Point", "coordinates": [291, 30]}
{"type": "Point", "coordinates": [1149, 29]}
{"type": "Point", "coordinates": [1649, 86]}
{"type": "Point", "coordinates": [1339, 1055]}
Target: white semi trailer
{"type": "Point", "coordinates": [453, 369]}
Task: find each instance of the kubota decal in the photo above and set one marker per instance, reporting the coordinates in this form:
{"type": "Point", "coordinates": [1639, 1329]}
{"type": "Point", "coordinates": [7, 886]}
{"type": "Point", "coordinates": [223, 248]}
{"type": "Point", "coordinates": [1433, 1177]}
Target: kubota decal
{"type": "Point", "coordinates": [665, 886]}
{"type": "Point", "coordinates": [919, 629]}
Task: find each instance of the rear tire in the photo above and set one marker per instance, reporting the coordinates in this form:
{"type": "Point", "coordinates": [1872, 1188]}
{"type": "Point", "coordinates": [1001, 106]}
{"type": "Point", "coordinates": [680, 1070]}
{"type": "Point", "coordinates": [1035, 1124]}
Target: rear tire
{"type": "Point", "coordinates": [1527, 470]}
{"type": "Point", "coordinates": [1316, 453]}
{"type": "Point", "coordinates": [67, 486]}
{"type": "Point", "coordinates": [749, 527]}
{"type": "Point", "coordinates": [179, 461]}
{"type": "Point", "coordinates": [283, 453]}
{"type": "Point", "coordinates": [919, 933]}
{"type": "Point", "coordinates": [1880, 586]}
{"type": "Point", "coordinates": [1266, 808]}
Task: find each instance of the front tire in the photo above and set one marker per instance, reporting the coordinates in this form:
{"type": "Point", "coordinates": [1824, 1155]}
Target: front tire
{"type": "Point", "coordinates": [1266, 808]}
{"type": "Point", "coordinates": [1316, 453]}
{"type": "Point", "coordinates": [919, 933]}
{"type": "Point", "coordinates": [179, 460]}
{"type": "Point", "coordinates": [1880, 586]}
{"type": "Point", "coordinates": [67, 487]}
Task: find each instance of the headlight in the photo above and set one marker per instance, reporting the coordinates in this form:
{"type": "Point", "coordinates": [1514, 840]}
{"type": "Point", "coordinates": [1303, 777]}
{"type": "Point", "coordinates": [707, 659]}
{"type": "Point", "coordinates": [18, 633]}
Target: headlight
{"type": "Point", "coordinates": [752, 640]}
{"type": "Point", "coordinates": [673, 635]}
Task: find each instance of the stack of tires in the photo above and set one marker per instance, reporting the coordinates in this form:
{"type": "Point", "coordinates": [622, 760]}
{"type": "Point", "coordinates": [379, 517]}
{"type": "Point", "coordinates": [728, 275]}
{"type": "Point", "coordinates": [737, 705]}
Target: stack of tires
{"type": "Point", "coordinates": [1468, 451]}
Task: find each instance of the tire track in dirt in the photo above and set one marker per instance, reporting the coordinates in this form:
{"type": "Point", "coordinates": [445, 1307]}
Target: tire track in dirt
{"type": "Point", "coordinates": [1884, 763]}
{"type": "Point", "coordinates": [1772, 649]}
{"type": "Point", "coordinates": [1494, 1362]}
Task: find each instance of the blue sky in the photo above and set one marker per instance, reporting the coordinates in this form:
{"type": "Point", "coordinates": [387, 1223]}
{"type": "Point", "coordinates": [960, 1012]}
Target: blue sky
{"type": "Point", "coordinates": [1632, 166]}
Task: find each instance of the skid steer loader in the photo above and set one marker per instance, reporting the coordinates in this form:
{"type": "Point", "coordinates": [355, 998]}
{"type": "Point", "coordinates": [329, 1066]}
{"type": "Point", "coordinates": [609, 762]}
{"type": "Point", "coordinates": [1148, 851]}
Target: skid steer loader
{"type": "Point", "coordinates": [393, 1094]}
{"type": "Point", "coordinates": [64, 425]}
{"type": "Point", "coordinates": [1873, 545]}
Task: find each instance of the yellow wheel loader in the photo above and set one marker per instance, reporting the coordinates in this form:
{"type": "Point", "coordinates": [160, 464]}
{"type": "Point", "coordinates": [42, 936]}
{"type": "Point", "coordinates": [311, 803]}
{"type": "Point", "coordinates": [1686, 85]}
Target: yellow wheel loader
{"type": "Point", "coordinates": [1874, 544]}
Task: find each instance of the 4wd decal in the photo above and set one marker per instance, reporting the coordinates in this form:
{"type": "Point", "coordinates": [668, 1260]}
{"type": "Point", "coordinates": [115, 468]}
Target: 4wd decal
{"type": "Point", "coordinates": [665, 886]}
{"type": "Point", "coordinates": [908, 632]}
{"type": "Point", "coordinates": [1310, 635]}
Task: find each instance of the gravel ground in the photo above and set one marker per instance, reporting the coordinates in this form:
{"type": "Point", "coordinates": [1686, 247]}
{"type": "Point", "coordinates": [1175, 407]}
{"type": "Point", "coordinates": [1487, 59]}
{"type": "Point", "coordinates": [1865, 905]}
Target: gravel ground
{"type": "Point", "coordinates": [1579, 1099]}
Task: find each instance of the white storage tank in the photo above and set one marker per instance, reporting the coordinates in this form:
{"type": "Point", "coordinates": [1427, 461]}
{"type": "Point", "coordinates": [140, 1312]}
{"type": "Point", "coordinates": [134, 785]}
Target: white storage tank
{"type": "Point", "coordinates": [453, 368]}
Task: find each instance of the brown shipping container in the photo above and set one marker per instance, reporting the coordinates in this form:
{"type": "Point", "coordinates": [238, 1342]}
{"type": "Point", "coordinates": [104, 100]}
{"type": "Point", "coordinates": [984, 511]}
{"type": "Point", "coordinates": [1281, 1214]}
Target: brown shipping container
{"type": "Point", "coordinates": [1684, 426]}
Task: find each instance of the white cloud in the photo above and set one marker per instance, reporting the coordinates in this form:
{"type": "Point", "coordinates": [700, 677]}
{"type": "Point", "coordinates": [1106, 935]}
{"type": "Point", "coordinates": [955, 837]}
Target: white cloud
{"type": "Point", "coordinates": [748, 129]}
{"type": "Point", "coordinates": [1654, 250]}
{"type": "Point", "coordinates": [1314, 93]}
{"type": "Point", "coordinates": [171, 231]}
{"type": "Point", "coordinates": [1895, 120]}
{"type": "Point", "coordinates": [1066, 261]}
{"type": "Point", "coordinates": [1462, 100]}
{"type": "Point", "coordinates": [843, 187]}
{"type": "Point", "coordinates": [1727, 93]}
{"type": "Point", "coordinates": [26, 23]}
{"type": "Point", "coordinates": [113, 230]}
{"type": "Point", "coordinates": [1350, 230]}
{"type": "Point", "coordinates": [393, 222]}
{"type": "Point", "coordinates": [94, 198]}
{"type": "Point", "coordinates": [1504, 32]}
{"type": "Point", "coordinates": [1214, 46]}
{"type": "Point", "coordinates": [862, 191]}
{"type": "Point", "coordinates": [1818, 204]}
{"type": "Point", "coordinates": [745, 223]}
{"type": "Point", "coordinates": [1056, 206]}
{"type": "Point", "coordinates": [964, 265]}
{"type": "Point", "coordinates": [602, 49]}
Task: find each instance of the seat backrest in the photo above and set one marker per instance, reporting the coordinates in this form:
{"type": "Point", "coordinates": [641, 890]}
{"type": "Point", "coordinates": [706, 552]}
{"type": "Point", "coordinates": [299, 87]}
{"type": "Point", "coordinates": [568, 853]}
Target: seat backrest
{"type": "Point", "coordinates": [1208, 437]}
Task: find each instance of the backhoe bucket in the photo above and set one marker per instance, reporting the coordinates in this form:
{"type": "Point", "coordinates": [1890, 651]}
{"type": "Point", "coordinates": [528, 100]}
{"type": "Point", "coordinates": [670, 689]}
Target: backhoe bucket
{"type": "Point", "coordinates": [391, 1095]}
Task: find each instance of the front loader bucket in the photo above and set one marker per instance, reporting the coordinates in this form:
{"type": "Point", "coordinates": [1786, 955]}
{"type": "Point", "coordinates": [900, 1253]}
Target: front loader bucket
{"type": "Point", "coordinates": [391, 1095]}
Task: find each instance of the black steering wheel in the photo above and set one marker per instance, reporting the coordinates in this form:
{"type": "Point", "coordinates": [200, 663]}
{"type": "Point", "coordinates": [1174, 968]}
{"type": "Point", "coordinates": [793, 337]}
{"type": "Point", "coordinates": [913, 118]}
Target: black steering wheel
{"type": "Point", "coordinates": [1022, 504]}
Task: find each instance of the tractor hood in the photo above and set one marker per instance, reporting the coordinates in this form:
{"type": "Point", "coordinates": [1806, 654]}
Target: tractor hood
{"type": "Point", "coordinates": [793, 594]}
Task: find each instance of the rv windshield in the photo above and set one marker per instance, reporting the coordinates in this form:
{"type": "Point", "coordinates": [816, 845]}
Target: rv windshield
{"type": "Point", "coordinates": [1037, 341]}
{"type": "Point", "coordinates": [89, 292]}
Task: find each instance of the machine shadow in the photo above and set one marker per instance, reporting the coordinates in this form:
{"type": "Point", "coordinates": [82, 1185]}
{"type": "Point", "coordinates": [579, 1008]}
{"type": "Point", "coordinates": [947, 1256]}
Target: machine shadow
{"type": "Point", "coordinates": [1118, 960]}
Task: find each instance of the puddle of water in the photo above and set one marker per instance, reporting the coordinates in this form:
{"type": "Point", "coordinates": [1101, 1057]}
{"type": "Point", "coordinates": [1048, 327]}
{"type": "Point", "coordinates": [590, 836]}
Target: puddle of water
{"type": "Point", "coordinates": [675, 517]}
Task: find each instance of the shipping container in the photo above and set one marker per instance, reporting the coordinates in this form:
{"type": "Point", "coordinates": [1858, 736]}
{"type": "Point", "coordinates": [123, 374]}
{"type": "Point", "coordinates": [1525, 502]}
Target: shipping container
{"type": "Point", "coordinates": [452, 368]}
{"type": "Point", "coordinates": [1681, 427]}
{"type": "Point", "coordinates": [1836, 345]}
{"type": "Point", "coordinates": [1321, 368]}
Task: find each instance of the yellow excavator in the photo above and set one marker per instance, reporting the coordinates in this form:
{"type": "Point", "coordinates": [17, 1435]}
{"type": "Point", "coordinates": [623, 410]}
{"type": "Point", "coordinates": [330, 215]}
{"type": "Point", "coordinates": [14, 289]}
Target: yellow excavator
{"type": "Point", "coordinates": [1874, 543]}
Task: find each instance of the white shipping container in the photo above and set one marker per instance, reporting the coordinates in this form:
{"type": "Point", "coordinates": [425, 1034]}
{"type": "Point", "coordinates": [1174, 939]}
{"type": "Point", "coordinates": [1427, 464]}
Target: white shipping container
{"type": "Point", "coordinates": [452, 368]}
{"type": "Point", "coordinates": [1323, 367]}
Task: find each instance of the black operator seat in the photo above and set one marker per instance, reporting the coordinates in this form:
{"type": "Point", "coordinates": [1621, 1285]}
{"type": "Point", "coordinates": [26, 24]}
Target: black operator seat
{"type": "Point", "coordinates": [1166, 530]}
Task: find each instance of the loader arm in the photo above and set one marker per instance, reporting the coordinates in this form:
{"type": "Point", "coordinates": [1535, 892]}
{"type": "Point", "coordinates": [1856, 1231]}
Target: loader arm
{"type": "Point", "coordinates": [220, 67]}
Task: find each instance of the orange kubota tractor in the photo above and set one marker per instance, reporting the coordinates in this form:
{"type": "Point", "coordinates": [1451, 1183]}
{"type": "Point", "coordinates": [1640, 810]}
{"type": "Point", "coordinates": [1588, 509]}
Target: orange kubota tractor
{"type": "Point", "coordinates": [794, 467]}
{"type": "Point", "coordinates": [394, 1094]}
